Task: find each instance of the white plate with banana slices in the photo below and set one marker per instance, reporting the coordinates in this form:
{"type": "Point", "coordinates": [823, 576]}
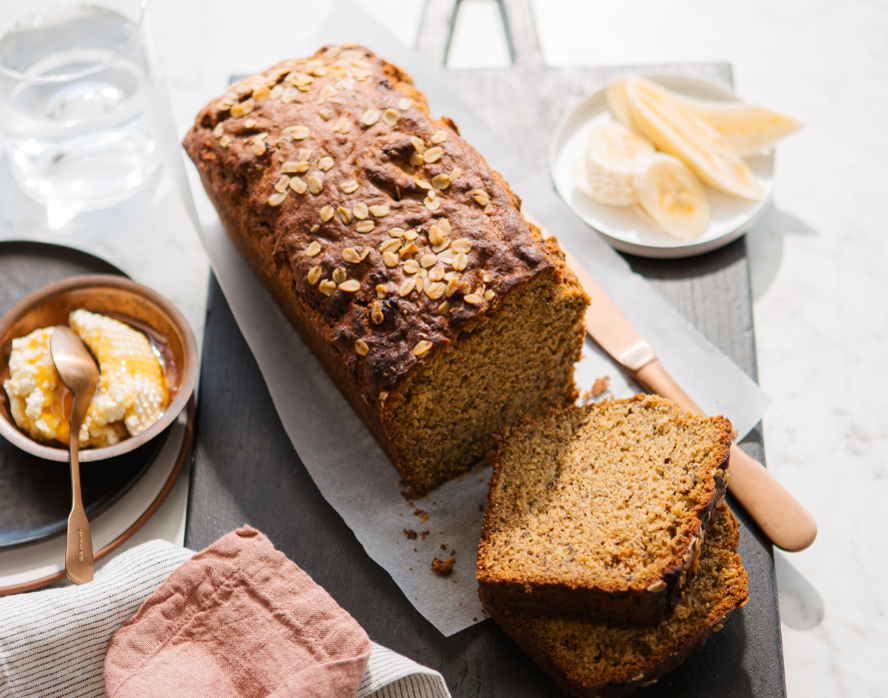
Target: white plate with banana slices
{"type": "Point", "coordinates": [629, 228]}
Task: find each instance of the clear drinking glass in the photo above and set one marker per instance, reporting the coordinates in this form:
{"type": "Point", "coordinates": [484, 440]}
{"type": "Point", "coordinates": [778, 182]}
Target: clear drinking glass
{"type": "Point", "coordinates": [72, 86]}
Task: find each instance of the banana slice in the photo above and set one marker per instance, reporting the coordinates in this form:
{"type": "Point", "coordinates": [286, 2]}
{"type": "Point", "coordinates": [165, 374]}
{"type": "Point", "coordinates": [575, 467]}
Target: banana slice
{"type": "Point", "coordinates": [676, 130]}
{"type": "Point", "coordinates": [613, 156]}
{"type": "Point", "coordinates": [669, 193]}
{"type": "Point", "coordinates": [748, 128]}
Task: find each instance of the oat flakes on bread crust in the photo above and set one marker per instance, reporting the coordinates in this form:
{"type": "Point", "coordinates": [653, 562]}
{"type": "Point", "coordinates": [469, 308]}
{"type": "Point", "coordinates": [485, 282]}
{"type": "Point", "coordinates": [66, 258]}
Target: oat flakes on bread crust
{"type": "Point", "coordinates": [402, 259]}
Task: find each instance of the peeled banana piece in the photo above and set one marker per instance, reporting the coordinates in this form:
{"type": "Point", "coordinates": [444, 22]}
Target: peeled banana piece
{"type": "Point", "coordinates": [618, 103]}
{"type": "Point", "coordinates": [676, 130]}
{"type": "Point", "coordinates": [613, 156]}
{"type": "Point", "coordinates": [623, 169]}
{"type": "Point", "coordinates": [670, 194]}
{"type": "Point", "coordinates": [748, 128]}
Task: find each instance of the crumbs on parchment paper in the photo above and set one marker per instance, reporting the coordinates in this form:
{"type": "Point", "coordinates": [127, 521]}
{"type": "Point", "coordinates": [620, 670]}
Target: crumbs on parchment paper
{"type": "Point", "coordinates": [413, 535]}
{"type": "Point", "coordinates": [598, 387]}
{"type": "Point", "coordinates": [443, 567]}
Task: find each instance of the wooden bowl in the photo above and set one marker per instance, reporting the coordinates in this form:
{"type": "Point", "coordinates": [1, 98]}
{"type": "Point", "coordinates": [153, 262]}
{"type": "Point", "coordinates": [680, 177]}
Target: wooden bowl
{"type": "Point", "coordinates": [120, 298]}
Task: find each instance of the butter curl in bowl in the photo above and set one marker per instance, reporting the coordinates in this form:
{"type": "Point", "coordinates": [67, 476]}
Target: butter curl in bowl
{"type": "Point", "coordinates": [130, 397]}
{"type": "Point", "coordinates": [146, 355]}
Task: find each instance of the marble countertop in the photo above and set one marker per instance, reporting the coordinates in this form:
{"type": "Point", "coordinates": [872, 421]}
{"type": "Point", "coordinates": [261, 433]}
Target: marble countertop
{"type": "Point", "coordinates": [817, 257]}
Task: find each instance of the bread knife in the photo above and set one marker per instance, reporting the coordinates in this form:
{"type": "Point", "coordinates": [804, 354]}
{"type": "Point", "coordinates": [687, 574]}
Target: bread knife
{"type": "Point", "coordinates": [781, 517]}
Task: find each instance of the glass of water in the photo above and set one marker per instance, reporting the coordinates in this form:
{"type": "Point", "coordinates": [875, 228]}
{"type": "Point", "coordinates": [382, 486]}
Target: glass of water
{"type": "Point", "coordinates": [73, 79]}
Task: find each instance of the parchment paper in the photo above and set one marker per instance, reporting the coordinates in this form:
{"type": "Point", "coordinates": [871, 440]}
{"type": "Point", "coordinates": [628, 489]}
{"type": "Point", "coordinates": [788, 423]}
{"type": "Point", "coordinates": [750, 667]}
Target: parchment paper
{"type": "Point", "coordinates": [346, 464]}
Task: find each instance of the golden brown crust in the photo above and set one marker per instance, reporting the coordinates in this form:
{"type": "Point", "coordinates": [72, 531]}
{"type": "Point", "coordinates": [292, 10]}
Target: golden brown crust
{"type": "Point", "coordinates": [503, 247]}
{"type": "Point", "coordinates": [543, 586]}
{"type": "Point", "coordinates": [387, 197]}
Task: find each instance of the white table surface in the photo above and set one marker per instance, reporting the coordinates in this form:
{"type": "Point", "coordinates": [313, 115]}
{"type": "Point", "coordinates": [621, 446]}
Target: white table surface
{"type": "Point", "coordinates": [818, 257]}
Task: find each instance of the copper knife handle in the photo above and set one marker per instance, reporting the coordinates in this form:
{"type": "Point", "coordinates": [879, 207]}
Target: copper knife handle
{"type": "Point", "coordinates": [780, 515]}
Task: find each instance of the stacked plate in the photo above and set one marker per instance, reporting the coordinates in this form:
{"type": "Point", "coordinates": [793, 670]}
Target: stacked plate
{"type": "Point", "coordinates": [120, 493]}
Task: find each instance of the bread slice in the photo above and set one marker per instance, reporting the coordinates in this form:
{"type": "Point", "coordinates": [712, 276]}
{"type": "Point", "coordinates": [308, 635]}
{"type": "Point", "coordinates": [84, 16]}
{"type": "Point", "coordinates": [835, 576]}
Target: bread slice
{"type": "Point", "coordinates": [602, 510]}
{"type": "Point", "coordinates": [588, 659]}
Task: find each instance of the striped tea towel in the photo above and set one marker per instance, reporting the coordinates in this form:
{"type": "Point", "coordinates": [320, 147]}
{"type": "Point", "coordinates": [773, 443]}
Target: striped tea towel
{"type": "Point", "coordinates": [53, 642]}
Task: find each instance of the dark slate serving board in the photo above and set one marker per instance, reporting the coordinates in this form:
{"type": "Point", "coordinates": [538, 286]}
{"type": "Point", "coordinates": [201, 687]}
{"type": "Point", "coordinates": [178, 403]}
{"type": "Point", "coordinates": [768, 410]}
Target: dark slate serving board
{"type": "Point", "coordinates": [246, 470]}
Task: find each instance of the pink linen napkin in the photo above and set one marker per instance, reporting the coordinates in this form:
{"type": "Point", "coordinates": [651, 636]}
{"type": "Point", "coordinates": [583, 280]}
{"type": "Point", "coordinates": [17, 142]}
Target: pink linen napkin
{"type": "Point", "coordinates": [238, 620]}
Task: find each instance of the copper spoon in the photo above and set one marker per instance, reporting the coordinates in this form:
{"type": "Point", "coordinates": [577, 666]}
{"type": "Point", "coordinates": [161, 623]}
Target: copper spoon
{"type": "Point", "coordinates": [79, 373]}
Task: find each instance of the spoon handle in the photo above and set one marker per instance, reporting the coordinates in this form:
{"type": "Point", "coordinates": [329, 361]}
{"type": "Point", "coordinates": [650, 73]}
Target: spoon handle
{"type": "Point", "coordinates": [79, 564]}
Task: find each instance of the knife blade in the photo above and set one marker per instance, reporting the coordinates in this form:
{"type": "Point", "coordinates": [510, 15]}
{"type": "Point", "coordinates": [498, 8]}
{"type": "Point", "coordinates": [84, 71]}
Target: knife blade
{"type": "Point", "coordinates": [781, 517]}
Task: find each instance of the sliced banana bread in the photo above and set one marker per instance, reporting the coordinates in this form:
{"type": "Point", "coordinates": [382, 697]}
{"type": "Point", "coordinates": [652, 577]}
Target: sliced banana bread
{"type": "Point", "coordinates": [602, 510]}
{"type": "Point", "coordinates": [588, 660]}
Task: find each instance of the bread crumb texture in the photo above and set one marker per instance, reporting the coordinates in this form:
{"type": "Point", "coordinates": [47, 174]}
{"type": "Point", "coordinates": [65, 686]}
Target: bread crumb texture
{"type": "Point", "coordinates": [613, 497]}
{"type": "Point", "coordinates": [588, 659]}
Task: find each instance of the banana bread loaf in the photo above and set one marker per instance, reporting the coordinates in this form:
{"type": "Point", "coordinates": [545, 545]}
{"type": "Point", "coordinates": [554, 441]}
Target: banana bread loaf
{"type": "Point", "coordinates": [602, 510]}
{"type": "Point", "coordinates": [590, 660]}
{"type": "Point", "coordinates": [402, 259]}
